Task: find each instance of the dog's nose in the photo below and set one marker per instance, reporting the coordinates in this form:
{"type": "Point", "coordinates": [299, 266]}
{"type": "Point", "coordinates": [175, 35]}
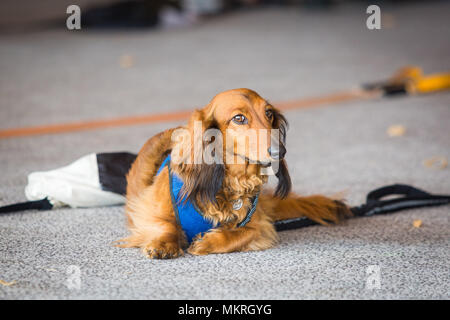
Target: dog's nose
{"type": "Point", "coordinates": [277, 153]}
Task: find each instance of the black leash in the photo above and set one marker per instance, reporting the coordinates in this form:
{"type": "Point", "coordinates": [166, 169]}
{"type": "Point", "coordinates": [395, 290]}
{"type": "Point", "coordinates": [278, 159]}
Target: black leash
{"type": "Point", "coordinates": [43, 204]}
{"type": "Point", "coordinates": [411, 198]}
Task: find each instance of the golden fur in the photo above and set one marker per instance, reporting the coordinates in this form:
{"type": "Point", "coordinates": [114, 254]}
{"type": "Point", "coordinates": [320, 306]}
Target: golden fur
{"type": "Point", "coordinates": [214, 187]}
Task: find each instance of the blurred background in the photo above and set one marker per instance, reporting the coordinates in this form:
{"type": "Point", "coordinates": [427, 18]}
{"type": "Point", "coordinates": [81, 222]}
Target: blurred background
{"type": "Point", "coordinates": [132, 57]}
{"type": "Point", "coordinates": [140, 58]}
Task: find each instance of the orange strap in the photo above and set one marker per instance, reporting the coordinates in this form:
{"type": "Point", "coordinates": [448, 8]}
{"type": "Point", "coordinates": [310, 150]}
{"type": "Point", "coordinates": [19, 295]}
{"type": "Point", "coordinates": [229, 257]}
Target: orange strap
{"type": "Point", "coordinates": [172, 116]}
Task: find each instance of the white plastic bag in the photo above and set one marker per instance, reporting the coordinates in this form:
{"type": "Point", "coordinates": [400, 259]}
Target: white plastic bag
{"type": "Point", "coordinates": [75, 185]}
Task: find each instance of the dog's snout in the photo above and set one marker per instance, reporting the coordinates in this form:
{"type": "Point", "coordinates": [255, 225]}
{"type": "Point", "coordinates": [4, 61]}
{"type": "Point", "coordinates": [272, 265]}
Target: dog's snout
{"type": "Point", "coordinates": [277, 153]}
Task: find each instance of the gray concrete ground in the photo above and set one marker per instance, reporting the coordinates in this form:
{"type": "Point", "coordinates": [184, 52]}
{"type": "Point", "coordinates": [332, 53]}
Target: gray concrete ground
{"type": "Point", "coordinates": [59, 76]}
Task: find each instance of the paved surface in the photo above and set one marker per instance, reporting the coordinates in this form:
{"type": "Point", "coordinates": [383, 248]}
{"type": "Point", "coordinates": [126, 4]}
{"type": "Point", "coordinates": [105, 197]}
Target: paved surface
{"type": "Point", "coordinates": [58, 76]}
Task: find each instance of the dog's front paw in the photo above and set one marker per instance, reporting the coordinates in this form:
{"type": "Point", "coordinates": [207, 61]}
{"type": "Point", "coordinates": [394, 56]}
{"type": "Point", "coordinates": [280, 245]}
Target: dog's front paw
{"type": "Point", "coordinates": [163, 250]}
{"type": "Point", "coordinates": [200, 246]}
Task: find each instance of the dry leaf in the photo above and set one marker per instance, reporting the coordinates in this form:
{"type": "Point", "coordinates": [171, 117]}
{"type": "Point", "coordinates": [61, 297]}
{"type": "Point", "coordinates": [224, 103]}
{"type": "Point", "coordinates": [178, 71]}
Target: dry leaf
{"type": "Point", "coordinates": [437, 162]}
{"type": "Point", "coordinates": [126, 61]}
{"type": "Point", "coordinates": [417, 223]}
{"type": "Point", "coordinates": [388, 21]}
{"type": "Point", "coordinates": [7, 284]}
{"type": "Point", "coordinates": [396, 130]}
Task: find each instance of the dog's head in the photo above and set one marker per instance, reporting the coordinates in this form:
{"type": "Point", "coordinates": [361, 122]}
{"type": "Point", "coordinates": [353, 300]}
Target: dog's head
{"type": "Point", "coordinates": [235, 130]}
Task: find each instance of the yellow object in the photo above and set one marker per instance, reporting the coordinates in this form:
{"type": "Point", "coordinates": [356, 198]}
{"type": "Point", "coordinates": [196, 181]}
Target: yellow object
{"type": "Point", "coordinates": [416, 82]}
{"type": "Point", "coordinates": [435, 82]}
{"type": "Point", "coordinates": [417, 223]}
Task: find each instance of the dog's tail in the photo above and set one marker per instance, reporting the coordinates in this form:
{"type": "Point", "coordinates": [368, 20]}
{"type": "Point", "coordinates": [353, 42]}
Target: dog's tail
{"type": "Point", "coordinates": [317, 208]}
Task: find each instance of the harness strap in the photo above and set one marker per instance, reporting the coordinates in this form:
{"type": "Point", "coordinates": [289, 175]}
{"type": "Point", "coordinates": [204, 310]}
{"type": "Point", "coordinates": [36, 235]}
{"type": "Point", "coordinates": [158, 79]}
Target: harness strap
{"type": "Point", "coordinates": [250, 212]}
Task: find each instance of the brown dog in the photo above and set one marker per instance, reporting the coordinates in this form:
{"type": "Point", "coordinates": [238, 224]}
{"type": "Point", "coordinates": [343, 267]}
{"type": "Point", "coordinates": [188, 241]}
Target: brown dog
{"type": "Point", "coordinates": [224, 191]}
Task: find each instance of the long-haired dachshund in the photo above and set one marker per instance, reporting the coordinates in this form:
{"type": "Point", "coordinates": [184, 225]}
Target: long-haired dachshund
{"type": "Point", "coordinates": [223, 195]}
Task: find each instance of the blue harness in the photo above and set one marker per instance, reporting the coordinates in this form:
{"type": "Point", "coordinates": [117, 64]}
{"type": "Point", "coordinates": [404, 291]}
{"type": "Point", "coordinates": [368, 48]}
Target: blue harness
{"type": "Point", "coordinates": [187, 214]}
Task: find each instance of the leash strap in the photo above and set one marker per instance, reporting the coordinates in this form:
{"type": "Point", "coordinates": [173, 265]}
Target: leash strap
{"type": "Point", "coordinates": [411, 197]}
{"type": "Point", "coordinates": [43, 204]}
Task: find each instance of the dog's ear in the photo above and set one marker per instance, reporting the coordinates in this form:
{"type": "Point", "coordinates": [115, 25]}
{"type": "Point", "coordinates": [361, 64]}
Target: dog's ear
{"type": "Point", "coordinates": [280, 122]}
{"type": "Point", "coordinates": [203, 180]}
{"type": "Point", "coordinates": [284, 180]}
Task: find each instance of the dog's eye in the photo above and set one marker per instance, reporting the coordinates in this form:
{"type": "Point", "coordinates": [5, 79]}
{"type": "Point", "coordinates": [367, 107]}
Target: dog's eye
{"type": "Point", "coordinates": [269, 114]}
{"type": "Point", "coordinates": [240, 119]}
